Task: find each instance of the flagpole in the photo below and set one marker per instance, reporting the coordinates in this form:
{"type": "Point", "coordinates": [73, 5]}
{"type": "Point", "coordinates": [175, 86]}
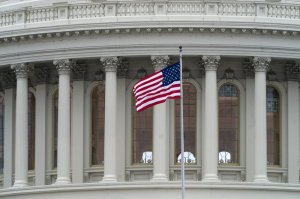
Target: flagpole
{"type": "Point", "coordinates": [181, 129]}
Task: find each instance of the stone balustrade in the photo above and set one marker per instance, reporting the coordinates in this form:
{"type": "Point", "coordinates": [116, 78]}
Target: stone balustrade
{"type": "Point", "coordinates": [71, 11]}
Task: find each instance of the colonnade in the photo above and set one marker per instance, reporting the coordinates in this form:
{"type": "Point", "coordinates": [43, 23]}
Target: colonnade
{"type": "Point", "coordinates": [160, 123]}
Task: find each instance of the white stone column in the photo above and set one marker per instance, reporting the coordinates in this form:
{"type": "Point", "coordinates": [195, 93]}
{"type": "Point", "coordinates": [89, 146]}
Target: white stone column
{"type": "Point", "coordinates": [261, 65]}
{"type": "Point", "coordinates": [121, 120]}
{"type": "Point", "coordinates": [293, 123]}
{"type": "Point", "coordinates": [160, 131]}
{"type": "Point", "coordinates": [110, 127]}
{"type": "Point", "coordinates": [9, 128]}
{"type": "Point", "coordinates": [210, 142]}
{"type": "Point", "coordinates": [21, 144]}
{"type": "Point", "coordinates": [249, 72]}
{"type": "Point", "coordinates": [41, 75]}
{"type": "Point", "coordinates": [64, 121]}
{"type": "Point", "coordinates": [77, 138]}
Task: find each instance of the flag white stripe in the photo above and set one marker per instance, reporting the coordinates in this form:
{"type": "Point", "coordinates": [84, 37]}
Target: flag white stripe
{"type": "Point", "coordinates": [157, 100]}
{"type": "Point", "coordinates": [157, 88]}
{"type": "Point", "coordinates": [145, 80]}
{"type": "Point", "coordinates": [148, 84]}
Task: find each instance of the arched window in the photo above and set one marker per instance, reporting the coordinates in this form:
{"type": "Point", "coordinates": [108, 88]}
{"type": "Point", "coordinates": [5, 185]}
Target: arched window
{"type": "Point", "coordinates": [1, 134]}
{"type": "Point", "coordinates": [98, 112]}
{"type": "Point", "coordinates": [31, 131]}
{"type": "Point", "coordinates": [55, 128]}
{"type": "Point", "coordinates": [189, 120]}
{"type": "Point", "coordinates": [273, 126]}
{"type": "Point", "coordinates": [142, 132]}
{"type": "Point", "coordinates": [229, 108]}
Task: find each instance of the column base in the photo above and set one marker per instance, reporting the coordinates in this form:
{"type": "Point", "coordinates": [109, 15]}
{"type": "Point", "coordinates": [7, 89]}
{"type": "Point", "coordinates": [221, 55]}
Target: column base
{"type": "Point", "coordinates": [62, 180]}
{"type": "Point", "coordinates": [211, 178]}
{"type": "Point", "coordinates": [160, 178]}
{"type": "Point", "coordinates": [109, 178]}
{"type": "Point", "coordinates": [261, 179]}
{"type": "Point", "coordinates": [20, 184]}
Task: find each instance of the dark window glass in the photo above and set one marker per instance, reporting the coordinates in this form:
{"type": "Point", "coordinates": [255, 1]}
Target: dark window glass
{"type": "Point", "coordinates": [142, 126]}
{"type": "Point", "coordinates": [229, 109]}
{"type": "Point", "coordinates": [98, 111]}
{"type": "Point", "coordinates": [189, 120]}
{"type": "Point", "coordinates": [273, 126]}
{"type": "Point", "coordinates": [31, 131]}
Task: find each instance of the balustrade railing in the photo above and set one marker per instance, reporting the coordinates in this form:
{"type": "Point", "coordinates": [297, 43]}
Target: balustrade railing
{"type": "Point", "coordinates": [148, 8]}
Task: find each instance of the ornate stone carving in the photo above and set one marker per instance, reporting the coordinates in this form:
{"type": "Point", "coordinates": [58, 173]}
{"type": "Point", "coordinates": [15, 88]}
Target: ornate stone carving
{"type": "Point", "coordinates": [123, 68]}
{"type": "Point", "coordinates": [229, 74]}
{"type": "Point", "coordinates": [41, 75]}
{"type": "Point", "coordinates": [271, 76]}
{"type": "Point", "coordinates": [78, 71]}
{"type": "Point", "coordinates": [159, 62]}
{"type": "Point", "coordinates": [261, 64]}
{"type": "Point", "coordinates": [292, 70]}
{"type": "Point", "coordinates": [8, 79]}
{"type": "Point", "coordinates": [63, 66]}
{"type": "Point", "coordinates": [248, 68]}
{"type": "Point", "coordinates": [110, 63]}
{"type": "Point", "coordinates": [22, 70]}
{"type": "Point", "coordinates": [211, 62]}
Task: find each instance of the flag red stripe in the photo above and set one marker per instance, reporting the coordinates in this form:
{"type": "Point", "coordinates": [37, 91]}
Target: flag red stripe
{"type": "Point", "coordinates": [157, 89]}
{"type": "Point", "coordinates": [155, 103]}
{"type": "Point", "coordinates": [158, 98]}
{"type": "Point", "coordinates": [165, 91]}
{"type": "Point", "coordinates": [146, 80]}
{"type": "Point", "coordinates": [148, 84]}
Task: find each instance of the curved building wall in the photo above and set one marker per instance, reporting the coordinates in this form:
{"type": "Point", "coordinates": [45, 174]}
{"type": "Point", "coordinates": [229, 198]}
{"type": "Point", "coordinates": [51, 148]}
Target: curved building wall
{"type": "Point", "coordinates": [80, 60]}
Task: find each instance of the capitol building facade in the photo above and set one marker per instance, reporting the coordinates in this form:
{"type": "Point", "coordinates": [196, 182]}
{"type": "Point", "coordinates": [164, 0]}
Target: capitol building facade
{"type": "Point", "coordinates": [68, 124]}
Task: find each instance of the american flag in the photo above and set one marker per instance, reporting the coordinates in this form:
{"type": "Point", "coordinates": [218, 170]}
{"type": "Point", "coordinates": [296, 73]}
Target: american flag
{"type": "Point", "coordinates": [158, 87]}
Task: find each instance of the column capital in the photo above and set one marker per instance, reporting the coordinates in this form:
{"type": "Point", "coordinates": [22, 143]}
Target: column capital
{"type": "Point", "coordinates": [110, 63]}
{"type": "Point", "coordinates": [123, 68]}
{"type": "Point", "coordinates": [248, 69]}
{"type": "Point", "coordinates": [41, 75]}
{"type": "Point", "coordinates": [261, 64]}
{"type": "Point", "coordinates": [292, 71]}
{"type": "Point", "coordinates": [78, 71]}
{"type": "Point", "coordinates": [22, 70]}
{"type": "Point", "coordinates": [63, 66]}
{"type": "Point", "coordinates": [211, 62]}
{"type": "Point", "coordinates": [8, 79]}
{"type": "Point", "coordinates": [159, 62]}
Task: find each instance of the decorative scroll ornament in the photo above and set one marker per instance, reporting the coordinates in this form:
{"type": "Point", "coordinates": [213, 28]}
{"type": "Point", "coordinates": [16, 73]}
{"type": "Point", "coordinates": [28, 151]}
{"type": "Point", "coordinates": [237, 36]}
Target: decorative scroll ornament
{"type": "Point", "coordinates": [8, 79]}
{"type": "Point", "coordinates": [63, 66]}
{"type": "Point", "coordinates": [159, 62]}
{"type": "Point", "coordinates": [211, 62]}
{"type": "Point", "coordinates": [123, 68]}
{"type": "Point", "coordinates": [22, 70]}
{"type": "Point", "coordinates": [248, 68]}
{"type": "Point", "coordinates": [261, 64]}
{"type": "Point", "coordinates": [78, 71]}
{"type": "Point", "coordinates": [110, 63]}
{"type": "Point", "coordinates": [292, 71]}
{"type": "Point", "coordinates": [41, 75]}
{"type": "Point", "coordinates": [272, 76]}
{"type": "Point", "coordinates": [229, 74]}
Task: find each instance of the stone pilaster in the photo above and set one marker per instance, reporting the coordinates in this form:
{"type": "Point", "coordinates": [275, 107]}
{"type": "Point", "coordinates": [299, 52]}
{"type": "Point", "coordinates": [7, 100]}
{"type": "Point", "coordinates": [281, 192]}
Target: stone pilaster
{"type": "Point", "coordinates": [292, 72]}
{"type": "Point", "coordinates": [261, 66]}
{"type": "Point", "coordinates": [64, 67]}
{"type": "Point", "coordinates": [110, 139]}
{"type": "Point", "coordinates": [160, 131]}
{"type": "Point", "coordinates": [21, 146]}
{"type": "Point", "coordinates": [210, 141]}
